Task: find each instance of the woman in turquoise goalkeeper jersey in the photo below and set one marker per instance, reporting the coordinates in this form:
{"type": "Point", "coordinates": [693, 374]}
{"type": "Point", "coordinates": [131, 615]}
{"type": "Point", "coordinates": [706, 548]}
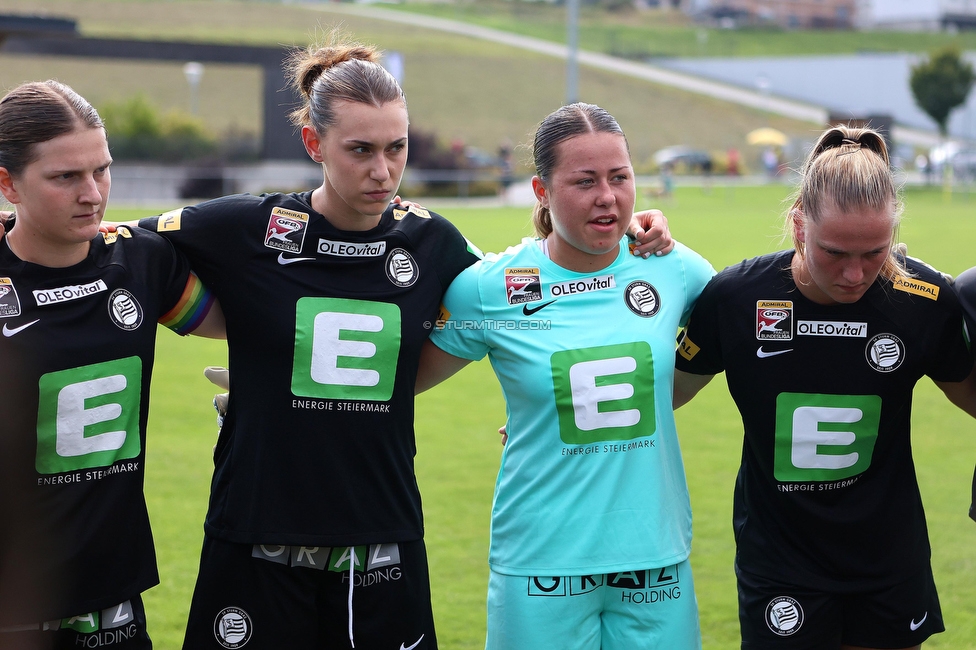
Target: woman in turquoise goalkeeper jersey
{"type": "Point", "coordinates": [591, 521]}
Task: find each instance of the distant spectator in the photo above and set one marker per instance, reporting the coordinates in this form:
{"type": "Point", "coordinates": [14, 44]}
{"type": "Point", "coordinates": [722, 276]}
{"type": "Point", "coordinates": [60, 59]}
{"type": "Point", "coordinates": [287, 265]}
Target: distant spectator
{"type": "Point", "coordinates": [733, 164]}
{"type": "Point", "coordinates": [770, 161]}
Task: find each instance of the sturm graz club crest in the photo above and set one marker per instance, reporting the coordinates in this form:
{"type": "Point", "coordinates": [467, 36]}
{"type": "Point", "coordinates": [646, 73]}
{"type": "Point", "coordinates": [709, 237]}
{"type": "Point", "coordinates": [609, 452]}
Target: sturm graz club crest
{"type": "Point", "coordinates": [784, 616]}
{"type": "Point", "coordinates": [885, 352]}
{"type": "Point", "coordinates": [232, 627]}
{"type": "Point", "coordinates": [401, 268]}
{"type": "Point", "coordinates": [125, 310]}
{"type": "Point", "coordinates": [642, 298]}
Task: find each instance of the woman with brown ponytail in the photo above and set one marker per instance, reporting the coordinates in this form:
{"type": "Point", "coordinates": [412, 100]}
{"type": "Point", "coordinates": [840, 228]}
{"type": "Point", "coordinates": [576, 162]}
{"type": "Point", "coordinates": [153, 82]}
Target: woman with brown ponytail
{"type": "Point", "coordinates": [822, 346]}
{"type": "Point", "coordinates": [314, 534]}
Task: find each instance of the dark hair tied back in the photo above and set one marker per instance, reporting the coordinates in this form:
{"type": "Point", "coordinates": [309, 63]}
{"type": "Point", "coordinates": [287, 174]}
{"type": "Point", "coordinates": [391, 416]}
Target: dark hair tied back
{"type": "Point", "coordinates": [561, 125]}
{"type": "Point", "coordinates": [36, 112]}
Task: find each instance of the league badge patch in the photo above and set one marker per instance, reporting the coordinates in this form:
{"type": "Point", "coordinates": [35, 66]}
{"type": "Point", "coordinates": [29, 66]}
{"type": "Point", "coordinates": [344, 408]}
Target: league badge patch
{"type": "Point", "coordinates": [885, 352]}
{"type": "Point", "coordinates": [286, 230]}
{"type": "Point", "coordinates": [9, 301]}
{"type": "Point", "coordinates": [784, 616]}
{"type": "Point", "coordinates": [401, 268]}
{"type": "Point", "coordinates": [642, 298]}
{"type": "Point", "coordinates": [523, 285]}
{"type": "Point", "coordinates": [124, 310]}
{"type": "Point", "coordinates": [774, 320]}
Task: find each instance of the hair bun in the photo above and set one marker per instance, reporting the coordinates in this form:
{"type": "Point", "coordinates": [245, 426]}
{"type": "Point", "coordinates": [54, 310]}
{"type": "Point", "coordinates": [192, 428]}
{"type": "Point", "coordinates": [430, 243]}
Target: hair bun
{"type": "Point", "coordinates": [306, 66]}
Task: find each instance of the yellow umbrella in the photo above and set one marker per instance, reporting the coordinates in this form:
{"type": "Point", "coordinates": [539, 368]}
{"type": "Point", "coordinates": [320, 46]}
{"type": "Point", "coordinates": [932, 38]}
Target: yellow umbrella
{"type": "Point", "coordinates": [767, 137]}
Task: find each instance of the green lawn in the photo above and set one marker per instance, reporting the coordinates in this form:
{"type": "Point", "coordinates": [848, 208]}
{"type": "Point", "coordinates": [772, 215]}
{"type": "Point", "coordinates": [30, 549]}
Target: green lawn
{"type": "Point", "coordinates": [459, 447]}
{"type": "Point", "coordinates": [656, 33]}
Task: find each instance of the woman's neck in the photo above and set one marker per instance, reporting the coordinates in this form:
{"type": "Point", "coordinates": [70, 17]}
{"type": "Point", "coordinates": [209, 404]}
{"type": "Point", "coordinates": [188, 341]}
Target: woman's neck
{"type": "Point", "coordinates": [31, 247]}
{"type": "Point", "coordinates": [342, 217]}
{"type": "Point", "coordinates": [573, 259]}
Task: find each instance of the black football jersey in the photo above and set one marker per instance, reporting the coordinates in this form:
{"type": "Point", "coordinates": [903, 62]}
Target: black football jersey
{"type": "Point", "coordinates": [826, 494]}
{"type": "Point", "coordinates": [324, 329]}
{"type": "Point", "coordinates": [965, 286]}
{"type": "Point", "coordinates": [76, 356]}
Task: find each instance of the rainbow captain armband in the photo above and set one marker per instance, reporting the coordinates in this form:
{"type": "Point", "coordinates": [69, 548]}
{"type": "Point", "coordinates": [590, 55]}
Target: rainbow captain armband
{"type": "Point", "coordinates": [190, 310]}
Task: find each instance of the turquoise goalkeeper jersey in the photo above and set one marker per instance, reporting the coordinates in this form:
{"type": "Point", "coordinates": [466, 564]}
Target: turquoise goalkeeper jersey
{"type": "Point", "coordinates": [591, 480]}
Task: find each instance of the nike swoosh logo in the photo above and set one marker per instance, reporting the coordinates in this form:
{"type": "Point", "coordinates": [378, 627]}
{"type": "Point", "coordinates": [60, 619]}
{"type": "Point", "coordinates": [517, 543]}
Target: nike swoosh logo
{"type": "Point", "coordinates": [915, 625]}
{"type": "Point", "coordinates": [10, 331]}
{"type": "Point", "coordinates": [528, 312]}
{"type": "Point", "coordinates": [762, 354]}
{"type": "Point", "coordinates": [411, 647]}
{"type": "Point", "coordinates": [284, 261]}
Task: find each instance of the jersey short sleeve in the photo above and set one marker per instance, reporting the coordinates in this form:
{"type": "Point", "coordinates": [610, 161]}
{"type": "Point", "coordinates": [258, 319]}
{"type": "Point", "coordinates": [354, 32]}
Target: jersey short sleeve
{"type": "Point", "coordinates": [183, 296]}
{"type": "Point", "coordinates": [697, 272]}
{"type": "Point", "coordinates": [965, 287]}
{"type": "Point", "coordinates": [459, 331]}
{"type": "Point", "coordinates": [699, 344]}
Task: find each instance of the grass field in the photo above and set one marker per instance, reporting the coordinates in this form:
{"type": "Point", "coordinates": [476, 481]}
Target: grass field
{"type": "Point", "coordinates": [656, 33]}
{"type": "Point", "coordinates": [459, 447]}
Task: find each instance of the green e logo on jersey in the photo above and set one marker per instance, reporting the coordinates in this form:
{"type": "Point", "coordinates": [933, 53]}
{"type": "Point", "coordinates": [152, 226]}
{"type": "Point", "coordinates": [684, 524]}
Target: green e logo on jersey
{"type": "Point", "coordinates": [604, 393]}
{"type": "Point", "coordinates": [824, 437]}
{"type": "Point", "coordinates": [89, 416]}
{"type": "Point", "coordinates": [345, 349]}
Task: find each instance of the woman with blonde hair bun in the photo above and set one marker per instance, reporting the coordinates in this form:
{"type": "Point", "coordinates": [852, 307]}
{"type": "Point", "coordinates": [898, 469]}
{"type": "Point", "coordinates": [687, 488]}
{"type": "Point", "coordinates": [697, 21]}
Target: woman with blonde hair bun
{"type": "Point", "coordinates": [821, 347]}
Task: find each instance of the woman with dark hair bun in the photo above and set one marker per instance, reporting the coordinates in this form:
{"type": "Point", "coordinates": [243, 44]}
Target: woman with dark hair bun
{"type": "Point", "coordinates": [821, 346]}
{"type": "Point", "coordinates": [79, 312]}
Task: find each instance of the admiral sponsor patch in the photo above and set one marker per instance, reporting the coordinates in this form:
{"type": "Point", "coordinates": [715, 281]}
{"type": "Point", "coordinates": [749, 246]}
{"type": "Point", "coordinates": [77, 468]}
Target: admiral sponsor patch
{"type": "Point", "coordinates": [9, 300]}
{"type": "Point", "coordinates": [917, 287]}
{"type": "Point", "coordinates": [112, 237]}
{"type": "Point", "coordinates": [400, 213]}
{"type": "Point", "coordinates": [169, 221]}
{"type": "Point", "coordinates": [286, 230]}
{"type": "Point", "coordinates": [523, 285]}
{"type": "Point", "coordinates": [784, 616]}
{"type": "Point", "coordinates": [842, 329]}
{"type": "Point", "coordinates": [124, 310]}
{"type": "Point", "coordinates": [71, 292]}
{"type": "Point", "coordinates": [401, 268]}
{"type": "Point", "coordinates": [885, 352]}
{"type": "Point", "coordinates": [443, 315]}
{"type": "Point", "coordinates": [686, 347]}
{"type": "Point", "coordinates": [596, 283]}
{"type": "Point", "coordinates": [352, 249]}
{"type": "Point", "coordinates": [774, 320]}
{"type": "Point", "coordinates": [642, 298]}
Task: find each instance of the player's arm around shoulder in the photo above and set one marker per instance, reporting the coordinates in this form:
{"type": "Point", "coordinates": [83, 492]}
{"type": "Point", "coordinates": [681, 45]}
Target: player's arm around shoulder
{"type": "Point", "coordinates": [193, 309]}
{"type": "Point", "coordinates": [452, 345]}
